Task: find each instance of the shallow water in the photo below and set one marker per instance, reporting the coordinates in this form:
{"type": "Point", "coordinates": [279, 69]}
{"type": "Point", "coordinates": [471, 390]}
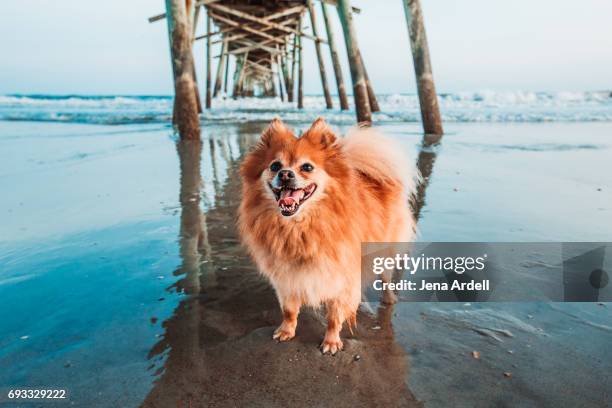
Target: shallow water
{"type": "Point", "coordinates": [121, 277]}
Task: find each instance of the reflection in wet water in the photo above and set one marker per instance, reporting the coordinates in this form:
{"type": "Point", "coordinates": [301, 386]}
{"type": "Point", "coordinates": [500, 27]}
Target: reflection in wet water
{"type": "Point", "coordinates": [193, 242]}
{"type": "Point", "coordinates": [217, 349]}
{"type": "Point", "coordinates": [425, 163]}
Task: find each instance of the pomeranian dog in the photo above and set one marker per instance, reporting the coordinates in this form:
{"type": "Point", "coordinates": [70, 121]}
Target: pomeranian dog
{"type": "Point", "coordinates": [307, 205]}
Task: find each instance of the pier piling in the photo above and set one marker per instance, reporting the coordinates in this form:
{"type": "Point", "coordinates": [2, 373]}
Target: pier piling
{"type": "Point", "coordinates": [344, 105]}
{"type": "Point", "coordinates": [185, 97]}
{"type": "Point", "coordinates": [221, 65]}
{"type": "Point", "coordinates": [300, 71]}
{"type": "Point", "coordinates": [280, 78]}
{"type": "Point", "coordinates": [430, 111]}
{"type": "Point", "coordinates": [208, 63]}
{"type": "Point", "coordinates": [360, 92]}
{"type": "Point", "coordinates": [293, 65]}
{"type": "Point", "coordinates": [313, 22]}
{"type": "Point", "coordinates": [286, 79]}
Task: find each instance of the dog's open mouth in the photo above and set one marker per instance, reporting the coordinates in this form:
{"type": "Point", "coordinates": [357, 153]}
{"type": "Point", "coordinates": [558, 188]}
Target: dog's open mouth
{"type": "Point", "coordinates": [290, 199]}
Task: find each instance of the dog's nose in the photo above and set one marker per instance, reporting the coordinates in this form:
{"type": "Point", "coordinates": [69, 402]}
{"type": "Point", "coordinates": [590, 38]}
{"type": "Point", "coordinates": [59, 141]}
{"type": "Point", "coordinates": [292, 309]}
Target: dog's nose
{"type": "Point", "coordinates": [285, 175]}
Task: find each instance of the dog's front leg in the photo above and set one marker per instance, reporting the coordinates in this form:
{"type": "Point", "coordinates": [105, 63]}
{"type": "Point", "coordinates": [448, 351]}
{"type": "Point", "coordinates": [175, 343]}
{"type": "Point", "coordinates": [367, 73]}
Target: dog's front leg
{"type": "Point", "coordinates": [290, 306]}
{"type": "Point", "coordinates": [335, 318]}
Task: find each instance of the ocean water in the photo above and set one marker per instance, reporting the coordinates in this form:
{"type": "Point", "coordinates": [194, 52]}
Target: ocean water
{"type": "Point", "coordinates": [483, 106]}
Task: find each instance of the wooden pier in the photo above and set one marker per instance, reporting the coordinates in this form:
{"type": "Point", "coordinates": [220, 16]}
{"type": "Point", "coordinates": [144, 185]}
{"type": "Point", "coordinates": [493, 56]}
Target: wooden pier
{"type": "Point", "coordinates": [264, 38]}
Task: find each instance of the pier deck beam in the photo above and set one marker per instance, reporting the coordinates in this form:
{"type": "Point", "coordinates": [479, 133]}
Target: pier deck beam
{"type": "Point", "coordinates": [344, 105]}
{"type": "Point", "coordinates": [360, 92]}
{"type": "Point", "coordinates": [430, 110]}
{"type": "Point", "coordinates": [185, 94]}
{"type": "Point", "coordinates": [313, 22]}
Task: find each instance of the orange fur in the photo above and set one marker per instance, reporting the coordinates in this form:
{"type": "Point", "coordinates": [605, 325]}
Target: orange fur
{"type": "Point", "coordinates": [313, 257]}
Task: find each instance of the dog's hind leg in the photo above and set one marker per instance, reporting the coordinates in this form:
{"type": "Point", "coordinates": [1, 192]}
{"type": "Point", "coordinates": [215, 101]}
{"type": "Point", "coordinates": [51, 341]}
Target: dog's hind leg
{"type": "Point", "coordinates": [290, 306]}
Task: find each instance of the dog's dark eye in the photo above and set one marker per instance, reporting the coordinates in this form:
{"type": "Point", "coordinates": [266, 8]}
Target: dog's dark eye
{"type": "Point", "coordinates": [276, 166]}
{"type": "Point", "coordinates": [307, 167]}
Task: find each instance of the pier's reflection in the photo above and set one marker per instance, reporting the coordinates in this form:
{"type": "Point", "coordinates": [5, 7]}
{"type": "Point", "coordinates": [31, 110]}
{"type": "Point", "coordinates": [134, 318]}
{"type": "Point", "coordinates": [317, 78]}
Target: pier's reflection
{"type": "Point", "coordinates": [217, 350]}
{"type": "Point", "coordinates": [193, 243]}
{"type": "Point", "coordinates": [425, 163]}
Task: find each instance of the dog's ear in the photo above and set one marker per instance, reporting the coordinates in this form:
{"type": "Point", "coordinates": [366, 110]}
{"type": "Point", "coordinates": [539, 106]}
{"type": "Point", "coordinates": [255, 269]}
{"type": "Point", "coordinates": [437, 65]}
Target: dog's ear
{"type": "Point", "coordinates": [276, 132]}
{"type": "Point", "coordinates": [320, 134]}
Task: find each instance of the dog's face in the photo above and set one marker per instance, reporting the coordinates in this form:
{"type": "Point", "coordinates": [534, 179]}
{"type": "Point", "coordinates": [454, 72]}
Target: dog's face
{"type": "Point", "coordinates": [293, 179]}
{"type": "Point", "coordinates": [294, 173]}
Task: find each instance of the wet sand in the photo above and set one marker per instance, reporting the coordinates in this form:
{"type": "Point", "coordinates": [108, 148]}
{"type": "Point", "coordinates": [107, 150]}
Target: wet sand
{"type": "Point", "coordinates": [139, 317]}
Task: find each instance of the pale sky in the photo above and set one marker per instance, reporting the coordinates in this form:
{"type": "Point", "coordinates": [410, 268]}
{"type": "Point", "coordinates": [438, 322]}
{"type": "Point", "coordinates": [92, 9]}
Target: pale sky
{"type": "Point", "coordinates": [94, 47]}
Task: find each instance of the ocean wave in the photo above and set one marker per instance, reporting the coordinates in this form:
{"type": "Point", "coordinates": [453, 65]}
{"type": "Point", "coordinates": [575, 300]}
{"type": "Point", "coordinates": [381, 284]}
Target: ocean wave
{"type": "Point", "coordinates": [481, 106]}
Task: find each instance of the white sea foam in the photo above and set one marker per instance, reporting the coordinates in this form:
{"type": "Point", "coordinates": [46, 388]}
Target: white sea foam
{"type": "Point", "coordinates": [481, 106]}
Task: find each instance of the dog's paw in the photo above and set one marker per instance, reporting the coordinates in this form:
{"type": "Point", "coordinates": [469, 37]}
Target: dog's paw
{"type": "Point", "coordinates": [283, 334]}
{"type": "Point", "coordinates": [331, 346]}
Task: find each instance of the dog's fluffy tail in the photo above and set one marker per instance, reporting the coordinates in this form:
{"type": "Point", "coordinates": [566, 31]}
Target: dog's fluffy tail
{"type": "Point", "coordinates": [379, 157]}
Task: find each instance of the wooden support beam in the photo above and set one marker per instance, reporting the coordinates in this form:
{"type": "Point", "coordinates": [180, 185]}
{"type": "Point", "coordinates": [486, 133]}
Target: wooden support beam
{"type": "Point", "coordinates": [196, 18]}
{"type": "Point", "coordinates": [360, 92]}
{"type": "Point", "coordinates": [218, 32]}
{"type": "Point", "coordinates": [300, 102]}
{"type": "Point", "coordinates": [252, 46]}
{"type": "Point", "coordinates": [280, 79]}
{"type": "Point", "coordinates": [244, 35]}
{"type": "Point", "coordinates": [268, 87]}
{"type": "Point", "coordinates": [220, 65]}
{"type": "Point", "coordinates": [193, 16]}
{"type": "Point", "coordinates": [344, 105]}
{"type": "Point", "coordinates": [232, 38]}
{"type": "Point", "coordinates": [430, 110]}
{"type": "Point", "coordinates": [293, 65]}
{"type": "Point", "coordinates": [273, 84]}
{"type": "Point", "coordinates": [227, 61]}
{"type": "Point", "coordinates": [284, 13]}
{"type": "Point", "coordinates": [262, 21]}
{"type": "Point", "coordinates": [185, 101]}
{"type": "Point", "coordinates": [374, 106]}
{"type": "Point", "coordinates": [260, 67]}
{"type": "Point", "coordinates": [260, 60]}
{"type": "Point", "coordinates": [245, 27]}
{"type": "Point", "coordinates": [287, 82]}
{"type": "Point", "coordinates": [247, 89]}
{"type": "Point", "coordinates": [241, 84]}
{"type": "Point", "coordinates": [240, 69]}
{"type": "Point", "coordinates": [197, 4]}
{"type": "Point", "coordinates": [292, 10]}
{"type": "Point", "coordinates": [335, 4]}
{"type": "Point", "coordinates": [238, 63]}
{"type": "Point", "coordinates": [313, 21]}
{"type": "Point", "coordinates": [208, 63]}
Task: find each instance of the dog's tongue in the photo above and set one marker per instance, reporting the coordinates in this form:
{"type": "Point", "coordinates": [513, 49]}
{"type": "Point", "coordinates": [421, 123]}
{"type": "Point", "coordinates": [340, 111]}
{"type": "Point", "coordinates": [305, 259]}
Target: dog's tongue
{"type": "Point", "coordinates": [288, 197]}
